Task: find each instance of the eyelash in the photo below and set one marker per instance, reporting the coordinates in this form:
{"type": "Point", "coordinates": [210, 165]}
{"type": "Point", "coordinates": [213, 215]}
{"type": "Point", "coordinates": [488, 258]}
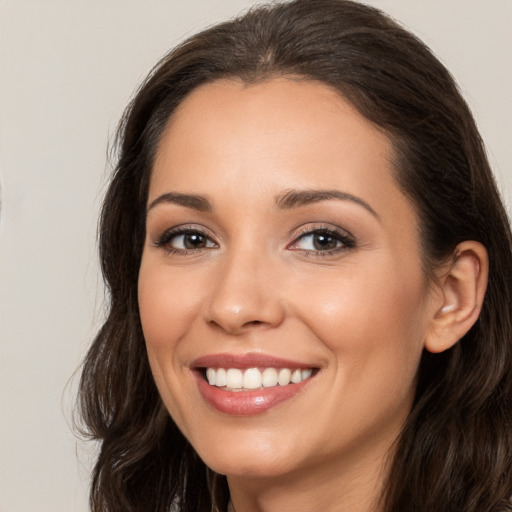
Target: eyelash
{"type": "Point", "coordinates": [346, 240]}
{"type": "Point", "coordinates": [165, 239]}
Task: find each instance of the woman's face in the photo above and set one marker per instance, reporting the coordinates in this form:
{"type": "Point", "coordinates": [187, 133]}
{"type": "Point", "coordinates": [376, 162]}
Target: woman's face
{"type": "Point", "coordinates": [280, 247]}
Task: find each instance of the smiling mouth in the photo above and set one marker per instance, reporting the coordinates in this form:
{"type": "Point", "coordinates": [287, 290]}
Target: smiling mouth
{"type": "Point", "coordinates": [235, 379]}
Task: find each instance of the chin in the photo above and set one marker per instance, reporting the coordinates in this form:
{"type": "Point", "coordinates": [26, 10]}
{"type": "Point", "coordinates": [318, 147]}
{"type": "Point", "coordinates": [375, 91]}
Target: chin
{"type": "Point", "coordinates": [255, 463]}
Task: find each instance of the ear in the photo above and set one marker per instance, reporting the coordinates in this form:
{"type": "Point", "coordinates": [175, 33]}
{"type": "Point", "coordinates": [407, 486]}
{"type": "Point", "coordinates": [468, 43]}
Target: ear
{"type": "Point", "coordinates": [462, 290]}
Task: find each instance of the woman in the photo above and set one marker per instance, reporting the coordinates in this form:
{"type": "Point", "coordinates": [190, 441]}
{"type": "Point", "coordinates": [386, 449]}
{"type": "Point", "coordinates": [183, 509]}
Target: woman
{"type": "Point", "coordinates": [310, 273]}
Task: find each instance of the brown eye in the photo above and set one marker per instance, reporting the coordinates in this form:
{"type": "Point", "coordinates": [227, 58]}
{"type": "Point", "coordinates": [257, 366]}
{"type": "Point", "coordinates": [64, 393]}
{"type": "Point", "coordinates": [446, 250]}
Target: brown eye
{"type": "Point", "coordinates": [185, 240]}
{"type": "Point", "coordinates": [193, 241]}
{"type": "Point", "coordinates": [319, 241]}
{"type": "Point", "coordinates": [323, 241]}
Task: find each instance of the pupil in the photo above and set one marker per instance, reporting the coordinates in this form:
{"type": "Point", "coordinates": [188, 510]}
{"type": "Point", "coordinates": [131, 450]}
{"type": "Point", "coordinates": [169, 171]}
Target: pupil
{"type": "Point", "coordinates": [324, 242]}
{"type": "Point", "coordinates": [194, 241]}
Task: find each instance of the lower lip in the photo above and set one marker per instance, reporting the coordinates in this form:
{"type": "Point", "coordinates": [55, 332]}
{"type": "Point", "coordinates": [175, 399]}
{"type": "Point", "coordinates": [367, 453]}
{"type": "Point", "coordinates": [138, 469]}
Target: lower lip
{"type": "Point", "coordinates": [245, 403]}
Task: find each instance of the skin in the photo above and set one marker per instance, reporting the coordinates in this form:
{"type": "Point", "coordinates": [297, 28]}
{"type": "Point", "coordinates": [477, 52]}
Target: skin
{"type": "Point", "coordinates": [359, 314]}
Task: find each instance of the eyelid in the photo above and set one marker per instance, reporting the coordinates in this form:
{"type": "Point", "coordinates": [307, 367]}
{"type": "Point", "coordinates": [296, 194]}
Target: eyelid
{"type": "Point", "coordinates": [167, 235]}
{"type": "Point", "coordinates": [347, 239]}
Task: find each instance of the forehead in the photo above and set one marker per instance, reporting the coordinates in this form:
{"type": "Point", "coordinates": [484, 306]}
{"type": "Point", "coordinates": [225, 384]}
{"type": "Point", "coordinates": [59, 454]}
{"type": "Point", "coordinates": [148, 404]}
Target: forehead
{"type": "Point", "coordinates": [275, 115]}
{"type": "Point", "coordinates": [276, 134]}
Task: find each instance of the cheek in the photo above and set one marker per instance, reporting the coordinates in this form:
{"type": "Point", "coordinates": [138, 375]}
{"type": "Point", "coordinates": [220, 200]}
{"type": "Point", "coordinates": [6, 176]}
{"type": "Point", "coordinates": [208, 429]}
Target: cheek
{"type": "Point", "coordinates": [372, 318]}
{"type": "Point", "coordinates": [166, 311]}
{"type": "Point", "coordinates": [166, 307]}
{"type": "Point", "coordinates": [165, 315]}
{"type": "Point", "coordinates": [375, 331]}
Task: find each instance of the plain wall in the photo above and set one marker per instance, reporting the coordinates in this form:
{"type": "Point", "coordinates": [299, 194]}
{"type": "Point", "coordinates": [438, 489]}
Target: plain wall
{"type": "Point", "coordinates": [67, 69]}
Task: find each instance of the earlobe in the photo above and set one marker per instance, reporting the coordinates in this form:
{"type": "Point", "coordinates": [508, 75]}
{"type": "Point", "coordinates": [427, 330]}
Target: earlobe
{"type": "Point", "coordinates": [462, 293]}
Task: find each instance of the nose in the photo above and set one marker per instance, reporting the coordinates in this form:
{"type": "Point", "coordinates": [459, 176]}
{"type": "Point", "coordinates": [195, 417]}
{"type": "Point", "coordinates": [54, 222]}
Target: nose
{"type": "Point", "coordinates": [245, 294]}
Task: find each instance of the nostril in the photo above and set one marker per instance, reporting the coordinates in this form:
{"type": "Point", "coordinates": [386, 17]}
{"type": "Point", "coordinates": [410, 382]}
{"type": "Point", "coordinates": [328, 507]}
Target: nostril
{"type": "Point", "coordinates": [235, 311]}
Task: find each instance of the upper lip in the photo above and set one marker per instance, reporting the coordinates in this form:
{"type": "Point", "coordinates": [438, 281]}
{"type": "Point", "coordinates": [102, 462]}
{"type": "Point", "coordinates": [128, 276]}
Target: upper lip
{"type": "Point", "coordinates": [248, 360]}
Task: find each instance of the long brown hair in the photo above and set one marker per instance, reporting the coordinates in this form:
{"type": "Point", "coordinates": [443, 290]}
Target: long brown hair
{"type": "Point", "coordinates": [455, 450]}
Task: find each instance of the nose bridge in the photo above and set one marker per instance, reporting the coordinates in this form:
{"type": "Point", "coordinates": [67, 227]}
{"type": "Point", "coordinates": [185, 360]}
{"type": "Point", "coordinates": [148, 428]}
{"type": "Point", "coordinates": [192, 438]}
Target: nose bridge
{"type": "Point", "coordinates": [245, 292]}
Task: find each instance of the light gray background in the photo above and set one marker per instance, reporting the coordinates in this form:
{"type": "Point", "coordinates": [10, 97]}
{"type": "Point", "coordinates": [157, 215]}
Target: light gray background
{"type": "Point", "coordinates": [67, 68]}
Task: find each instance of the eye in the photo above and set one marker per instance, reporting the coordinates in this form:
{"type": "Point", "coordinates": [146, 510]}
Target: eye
{"type": "Point", "coordinates": [318, 242]}
{"type": "Point", "coordinates": [323, 241]}
{"type": "Point", "coordinates": [184, 240]}
{"type": "Point", "coordinates": [190, 241]}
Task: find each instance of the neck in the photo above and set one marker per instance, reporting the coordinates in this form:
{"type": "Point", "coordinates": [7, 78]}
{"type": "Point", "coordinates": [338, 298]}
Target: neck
{"type": "Point", "coordinates": [338, 487]}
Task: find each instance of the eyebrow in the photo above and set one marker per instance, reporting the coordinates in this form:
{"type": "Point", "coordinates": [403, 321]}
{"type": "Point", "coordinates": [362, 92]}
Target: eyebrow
{"type": "Point", "coordinates": [197, 202]}
{"type": "Point", "coordinates": [296, 198]}
{"type": "Point", "coordinates": [285, 201]}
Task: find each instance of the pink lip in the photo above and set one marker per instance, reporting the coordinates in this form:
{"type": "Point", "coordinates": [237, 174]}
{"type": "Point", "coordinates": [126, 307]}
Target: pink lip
{"type": "Point", "coordinates": [244, 361]}
{"type": "Point", "coordinates": [245, 403]}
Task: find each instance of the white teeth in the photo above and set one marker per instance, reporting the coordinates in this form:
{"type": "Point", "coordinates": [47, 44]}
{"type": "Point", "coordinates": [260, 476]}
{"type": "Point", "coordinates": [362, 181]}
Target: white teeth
{"type": "Point", "coordinates": [296, 376]}
{"type": "Point", "coordinates": [234, 378]}
{"type": "Point", "coordinates": [285, 376]}
{"type": "Point", "coordinates": [220, 378]}
{"type": "Point", "coordinates": [269, 377]}
{"type": "Point", "coordinates": [253, 378]}
{"type": "Point", "coordinates": [210, 375]}
{"type": "Point", "coordinates": [306, 374]}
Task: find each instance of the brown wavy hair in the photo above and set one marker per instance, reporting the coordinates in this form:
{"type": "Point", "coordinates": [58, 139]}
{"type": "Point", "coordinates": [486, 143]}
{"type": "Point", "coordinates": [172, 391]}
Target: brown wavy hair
{"type": "Point", "coordinates": [455, 451]}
